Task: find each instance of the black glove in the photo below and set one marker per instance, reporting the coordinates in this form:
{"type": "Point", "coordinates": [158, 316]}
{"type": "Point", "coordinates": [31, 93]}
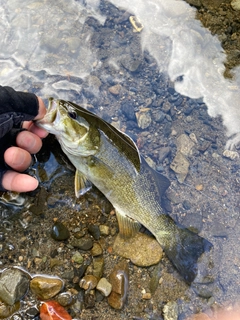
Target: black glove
{"type": "Point", "coordinates": [15, 107]}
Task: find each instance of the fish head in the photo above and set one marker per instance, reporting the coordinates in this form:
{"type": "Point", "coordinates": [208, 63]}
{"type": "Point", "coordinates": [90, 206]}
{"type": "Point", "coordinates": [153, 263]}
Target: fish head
{"type": "Point", "coordinates": [74, 133]}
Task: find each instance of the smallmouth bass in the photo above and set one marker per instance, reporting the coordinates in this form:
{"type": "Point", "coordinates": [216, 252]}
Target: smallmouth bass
{"type": "Point", "coordinates": [109, 159]}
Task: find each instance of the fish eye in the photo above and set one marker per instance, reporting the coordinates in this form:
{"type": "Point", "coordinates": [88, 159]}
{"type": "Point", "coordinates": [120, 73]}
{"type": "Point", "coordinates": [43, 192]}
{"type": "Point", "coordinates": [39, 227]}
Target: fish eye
{"type": "Point", "coordinates": [72, 114]}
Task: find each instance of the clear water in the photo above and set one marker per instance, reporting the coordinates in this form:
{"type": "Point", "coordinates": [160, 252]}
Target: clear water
{"type": "Point", "coordinates": [48, 48]}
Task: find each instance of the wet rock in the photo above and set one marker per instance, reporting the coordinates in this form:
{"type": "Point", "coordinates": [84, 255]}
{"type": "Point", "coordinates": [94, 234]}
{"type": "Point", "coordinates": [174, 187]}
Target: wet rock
{"type": "Point", "coordinates": [158, 116]}
{"type": "Point", "coordinates": [186, 205]}
{"type": "Point", "coordinates": [93, 229]}
{"type": "Point", "coordinates": [59, 231]}
{"type": "Point", "coordinates": [96, 250]}
{"type": "Point", "coordinates": [52, 309]}
{"type": "Point", "coordinates": [115, 90]}
{"type": "Point", "coordinates": [88, 282]}
{"type": "Point", "coordinates": [127, 109]}
{"type": "Point", "coordinates": [185, 144]}
{"type": "Point", "coordinates": [82, 243]}
{"type": "Point", "coordinates": [180, 166]}
{"type": "Point", "coordinates": [32, 312]}
{"type": "Point", "coordinates": [142, 250]}
{"type": "Point", "coordinates": [154, 282]}
{"type": "Point", "coordinates": [89, 300]}
{"type": "Point", "coordinates": [77, 258]}
{"type": "Point", "coordinates": [7, 310]}
{"type": "Point", "coordinates": [46, 287]}
{"type": "Point", "coordinates": [163, 153]}
{"type": "Point", "coordinates": [170, 311]}
{"type": "Point", "coordinates": [231, 154]}
{"type": "Point", "coordinates": [235, 5]}
{"type": "Point", "coordinates": [119, 279]}
{"type": "Point", "coordinates": [146, 296]}
{"type": "Point", "coordinates": [144, 118]}
{"type": "Point", "coordinates": [104, 287]}
{"type": "Point", "coordinates": [66, 299]}
{"type": "Point", "coordinates": [98, 265]}
{"type": "Point", "coordinates": [104, 230]}
{"type": "Point", "coordinates": [14, 284]}
{"type": "Point", "coordinates": [129, 63]}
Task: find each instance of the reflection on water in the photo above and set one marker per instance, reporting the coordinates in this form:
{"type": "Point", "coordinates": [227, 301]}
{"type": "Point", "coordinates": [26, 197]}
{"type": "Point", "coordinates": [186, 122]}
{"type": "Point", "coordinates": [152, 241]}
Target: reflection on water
{"type": "Point", "coordinates": [76, 50]}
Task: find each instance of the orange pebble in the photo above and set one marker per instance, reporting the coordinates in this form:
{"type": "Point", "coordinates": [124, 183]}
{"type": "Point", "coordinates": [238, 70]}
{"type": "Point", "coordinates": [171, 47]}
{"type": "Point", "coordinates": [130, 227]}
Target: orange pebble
{"type": "Point", "coordinates": [52, 310]}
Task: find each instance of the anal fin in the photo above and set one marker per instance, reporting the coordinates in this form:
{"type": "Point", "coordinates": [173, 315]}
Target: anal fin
{"type": "Point", "coordinates": [127, 227]}
{"type": "Point", "coordinates": [82, 184]}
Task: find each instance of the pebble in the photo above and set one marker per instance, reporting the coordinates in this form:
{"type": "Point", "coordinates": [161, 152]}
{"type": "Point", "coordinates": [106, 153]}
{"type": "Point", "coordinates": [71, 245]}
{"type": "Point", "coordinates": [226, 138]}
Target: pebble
{"type": "Point", "coordinates": [82, 243]}
{"type": "Point", "coordinates": [93, 229]}
{"type": "Point", "coordinates": [170, 311]}
{"type": "Point", "coordinates": [77, 258]}
{"type": "Point", "coordinates": [231, 154]}
{"type": "Point", "coordinates": [185, 144]}
{"type": "Point", "coordinates": [115, 90]}
{"type": "Point", "coordinates": [104, 230]}
{"type": "Point", "coordinates": [127, 109]}
{"type": "Point", "coordinates": [164, 152]}
{"type": "Point", "coordinates": [7, 310]}
{"type": "Point", "coordinates": [46, 287]}
{"type": "Point", "coordinates": [104, 286]}
{"type": "Point", "coordinates": [235, 4]}
{"type": "Point", "coordinates": [59, 231]}
{"type": "Point", "coordinates": [96, 250]}
{"type": "Point", "coordinates": [65, 299]}
{"type": "Point", "coordinates": [138, 249]}
{"type": "Point", "coordinates": [180, 166]}
{"type": "Point", "coordinates": [143, 119]}
{"type": "Point", "coordinates": [98, 264]}
{"type": "Point", "coordinates": [146, 296]}
{"type": "Point", "coordinates": [88, 282]}
{"type": "Point", "coordinates": [119, 279]}
{"type": "Point", "coordinates": [14, 284]}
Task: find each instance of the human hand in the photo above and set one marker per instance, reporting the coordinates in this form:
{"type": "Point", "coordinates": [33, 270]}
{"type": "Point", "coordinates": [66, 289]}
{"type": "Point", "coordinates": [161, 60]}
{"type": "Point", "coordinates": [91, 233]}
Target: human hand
{"type": "Point", "coordinates": [19, 157]}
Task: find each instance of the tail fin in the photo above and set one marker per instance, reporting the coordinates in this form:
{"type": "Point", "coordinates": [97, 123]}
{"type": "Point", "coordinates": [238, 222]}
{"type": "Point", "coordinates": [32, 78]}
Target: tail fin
{"type": "Point", "coordinates": [184, 251]}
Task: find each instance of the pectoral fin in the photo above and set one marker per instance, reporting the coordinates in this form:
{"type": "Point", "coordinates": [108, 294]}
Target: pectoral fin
{"type": "Point", "coordinates": [82, 184]}
{"type": "Point", "coordinates": [127, 226]}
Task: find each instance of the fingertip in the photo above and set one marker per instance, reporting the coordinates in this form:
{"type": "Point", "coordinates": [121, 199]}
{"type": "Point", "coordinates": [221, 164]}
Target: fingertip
{"type": "Point", "coordinates": [19, 182]}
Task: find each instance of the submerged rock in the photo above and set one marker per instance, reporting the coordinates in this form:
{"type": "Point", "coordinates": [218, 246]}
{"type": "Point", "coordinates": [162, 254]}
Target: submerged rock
{"type": "Point", "coordinates": [180, 166]}
{"type": "Point", "coordinates": [46, 287]}
{"type": "Point", "coordinates": [119, 279]}
{"type": "Point", "coordinates": [14, 285]}
{"type": "Point", "coordinates": [170, 311]}
{"type": "Point", "coordinates": [104, 287]}
{"type": "Point", "coordinates": [142, 250]}
{"type": "Point", "coordinates": [6, 310]}
{"type": "Point", "coordinates": [59, 231]}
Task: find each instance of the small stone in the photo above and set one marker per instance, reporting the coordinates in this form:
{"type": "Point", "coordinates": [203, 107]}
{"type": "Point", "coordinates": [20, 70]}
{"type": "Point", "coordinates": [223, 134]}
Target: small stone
{"type": "Point", "coordinates": [235, 4]}
{"type": "Point", "coordinates": [93, 229]}
{"type": "Point", "coordinates": [59, 231]}
{"type": "Point", "coordinates": [185, 144]}
{"type": "Point", "coordinates": [7, 310]}
{"type": "Point", "coordinates": [96, 250]}
{"type": "Point", "coordinates": [88, 282]}
{"type": "Point", "coordinates": [77, 258]}
{"type": "Point", "coordinates": [65, 299]}
{"type": "Point", "coordinates": [115, 90]}
{"type": "Point", "coordinates": [98, 264]}
{"type": "Point", "coordinates": [180, 166]}
{"type": "Point", "coordinates": [199, 187]}
{"type": "Point", "coordinates": [146, 296]}
{"type": "Point", "coordinates": [138, 249]}
{"type": "Point", "coordinates": [170, 311]}
{"type": "Point", "coordinates": [82, 243]}
{"type": "Point", "coordinates": [46, 287]}
{"type": "Point", "coordinates": [231, 154]}
{"type": "Point", "coordinates": [104, 230]}
{"type": "Point", "coordinates": [119, 279]}
{"type": "Point", "coordinates": [163, 153]}
{"type": "Point", "coordinates": [143, 119]}
{"type": "Point", "coordinates": [14, 285]}
{"type": "Point", "coordinates": [104, 287]}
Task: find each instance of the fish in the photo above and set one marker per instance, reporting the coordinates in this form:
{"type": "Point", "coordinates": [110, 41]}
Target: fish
{"type": "Point", "coordinates": [110, 160]}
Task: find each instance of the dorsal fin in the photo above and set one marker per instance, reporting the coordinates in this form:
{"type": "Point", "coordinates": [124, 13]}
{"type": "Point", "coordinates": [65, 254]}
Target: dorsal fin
{"type": "Point", "coordinates": [122, 141]}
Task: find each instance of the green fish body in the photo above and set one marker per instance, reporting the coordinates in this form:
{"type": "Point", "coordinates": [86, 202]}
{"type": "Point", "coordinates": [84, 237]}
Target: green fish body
{"type": "Point", "coordinates": [110, 160]}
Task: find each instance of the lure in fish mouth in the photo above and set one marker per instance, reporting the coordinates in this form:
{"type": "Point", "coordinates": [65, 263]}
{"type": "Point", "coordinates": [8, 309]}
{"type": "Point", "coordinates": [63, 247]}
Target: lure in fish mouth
{"type": "Point", "coordinates": [109, 159]}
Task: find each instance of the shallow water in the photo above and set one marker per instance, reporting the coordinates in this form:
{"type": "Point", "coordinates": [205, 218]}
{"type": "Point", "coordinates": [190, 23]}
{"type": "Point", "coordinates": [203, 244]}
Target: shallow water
{"type": "Point", "coordinates": [76, 50]}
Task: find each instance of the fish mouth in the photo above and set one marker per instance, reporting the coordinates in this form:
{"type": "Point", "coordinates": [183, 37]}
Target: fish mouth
{"type": "Point", "coordinates": [52, 117]}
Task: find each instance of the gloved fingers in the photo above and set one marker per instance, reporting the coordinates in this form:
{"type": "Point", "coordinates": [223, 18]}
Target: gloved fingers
{"type": "Point", "coordinates": [17, 158]}
{"type": "Point", "coordinates": [19, 182]}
